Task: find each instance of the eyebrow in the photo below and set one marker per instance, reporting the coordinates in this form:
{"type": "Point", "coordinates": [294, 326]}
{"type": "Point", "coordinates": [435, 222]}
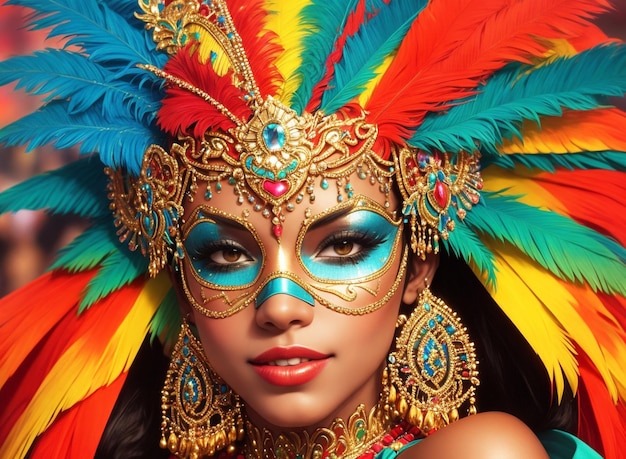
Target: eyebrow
{"type": "Point", "coordinates": [337, 213]}
{"type": "Point", "coordinates": [222, 220]}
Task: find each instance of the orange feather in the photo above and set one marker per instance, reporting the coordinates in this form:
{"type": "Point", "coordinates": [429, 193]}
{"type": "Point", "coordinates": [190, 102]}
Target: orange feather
{"type": "Point", "coordinates": [28, 314]}
{"type": "Point", "coordinates": [573, 189]}
{"type": "Point", "coordinates": [250, 18]}
{"type": "Point", "coordinates": [573, 132]}
{"type": "Point", "coordinates": [93, 328]}
{"type": "Point", "coordinates": [443, 60]}
{"type": "Point", "coordinates": [602, 423]}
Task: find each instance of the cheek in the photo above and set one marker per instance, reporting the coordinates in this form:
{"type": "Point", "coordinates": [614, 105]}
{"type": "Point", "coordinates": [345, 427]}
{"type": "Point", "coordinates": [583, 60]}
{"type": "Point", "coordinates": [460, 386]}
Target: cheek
{"type": "Point", "coordinates": [221, 340]}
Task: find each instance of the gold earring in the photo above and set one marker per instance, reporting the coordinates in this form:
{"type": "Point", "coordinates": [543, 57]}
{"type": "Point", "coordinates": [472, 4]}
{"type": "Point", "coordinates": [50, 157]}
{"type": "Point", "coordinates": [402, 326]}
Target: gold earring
{"type": "Point", "coordinates": [201, 414]}
{"type": "Point", "coordinates": [432, 373]}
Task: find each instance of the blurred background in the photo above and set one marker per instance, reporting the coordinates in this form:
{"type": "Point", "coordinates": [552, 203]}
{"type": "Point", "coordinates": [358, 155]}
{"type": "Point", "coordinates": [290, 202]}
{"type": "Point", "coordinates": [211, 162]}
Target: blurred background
{"type": "Point", "coordinates": [29, 239]}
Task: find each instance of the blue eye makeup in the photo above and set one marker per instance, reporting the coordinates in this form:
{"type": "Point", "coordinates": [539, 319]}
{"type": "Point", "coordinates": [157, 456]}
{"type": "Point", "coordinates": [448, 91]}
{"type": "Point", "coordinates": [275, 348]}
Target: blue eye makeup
{"type": "Point", "coordinates": [221, 259]}
{"type": "Point", "coordinates": [359, 245]}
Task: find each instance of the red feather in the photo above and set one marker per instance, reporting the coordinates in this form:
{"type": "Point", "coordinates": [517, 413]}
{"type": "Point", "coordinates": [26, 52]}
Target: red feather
{"type": "Point", "coordinates": [94, 327]}
{"type": "Point", "coordinates": [353, 23]}
{"type": "Point", "coordinates": [602, 423]}
{"type": "Point", "coordinates": [573, 189]}
{"type": "Point", "coordinates": [28, 314]}
{"type": "Point", "coordinates": [261, 49]}
{"type": "Point", "coordinates": [189, 113]}
{"type": "Point", "coordinates": [443, 60]}
{"type": "Point", "coordinates": [77, 432]}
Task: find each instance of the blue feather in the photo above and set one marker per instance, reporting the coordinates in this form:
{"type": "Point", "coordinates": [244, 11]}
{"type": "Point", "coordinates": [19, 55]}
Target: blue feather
{"type": "Point", "coordinates": [119, 139]}
{"type": "Point", "coordinates": [78, 188]}
{"type": "Point", "coordinates": [89, 249]}
{"type": "Point", "coordinates": [324, 20]}
{"type": "Point", "coordinates": [568, 249]}
{"type": "Point", "coordinates": [104, 35]}
{"type": "Point", "coordinates": [377, 38]}
{"type": "Point", "coordinates": [67, 75]}
{"type": "Point", "coordinates": [120, 268]}
{"type": "Point", "coordinates": [516, 94]}
{"type": "Point", "coordinates": [125, 8]}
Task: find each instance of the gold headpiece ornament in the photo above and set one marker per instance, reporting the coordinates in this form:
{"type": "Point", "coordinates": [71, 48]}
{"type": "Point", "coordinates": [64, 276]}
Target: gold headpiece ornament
{"type": "Point", "coordinates": [276, 158]}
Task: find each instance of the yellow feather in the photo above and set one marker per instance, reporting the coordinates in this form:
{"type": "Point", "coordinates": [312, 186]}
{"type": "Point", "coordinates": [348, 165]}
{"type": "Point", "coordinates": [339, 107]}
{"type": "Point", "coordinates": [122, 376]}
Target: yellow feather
{"type": "Point", "coordinates": [520, 182]}
{"type": "Point", "coordinates": [548, 315]}
{"type": "Point", "coordinates": [380, 71]}
{"type": "Point", "coordinates": [523, 292]}
{"type": "Point", "coordinates": [76, 375]}
{"type": "Point", "coordinates": [283, 19]}
{"type": "Point", "coordinates": [609, 335]}
{"type": "Point", "coordinates": [207, 44]}
{"type": "Point", "coordinates": [566, 135]}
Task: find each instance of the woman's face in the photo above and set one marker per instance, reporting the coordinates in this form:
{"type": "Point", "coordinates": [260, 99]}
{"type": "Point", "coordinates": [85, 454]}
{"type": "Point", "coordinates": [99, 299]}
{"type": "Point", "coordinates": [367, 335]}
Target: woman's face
{"type": "Point", "coordinates": [305, 323]}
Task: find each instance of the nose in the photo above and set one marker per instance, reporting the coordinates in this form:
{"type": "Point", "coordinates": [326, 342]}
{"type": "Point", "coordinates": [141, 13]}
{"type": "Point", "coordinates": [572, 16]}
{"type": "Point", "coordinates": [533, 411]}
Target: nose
{"type": "Point", "coordinates": [283, 303]}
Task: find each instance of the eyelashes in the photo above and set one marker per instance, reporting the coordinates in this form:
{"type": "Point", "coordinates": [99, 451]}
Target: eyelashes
{"type": "Point", "coordinates": [222, 256]}
{"type": "Point", "coordinates": [348, 247]}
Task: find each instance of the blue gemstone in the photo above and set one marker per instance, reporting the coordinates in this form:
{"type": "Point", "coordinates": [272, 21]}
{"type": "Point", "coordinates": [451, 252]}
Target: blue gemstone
{"type": "Point", "coordinates": [274, 136]}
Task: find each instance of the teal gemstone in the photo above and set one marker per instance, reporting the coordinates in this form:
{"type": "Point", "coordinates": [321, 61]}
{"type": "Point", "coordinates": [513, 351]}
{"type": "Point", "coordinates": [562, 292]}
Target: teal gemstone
{"type": "Point", "coordinates": [274, 136]}
{"type": "Point", "coordinates": [324, 184]}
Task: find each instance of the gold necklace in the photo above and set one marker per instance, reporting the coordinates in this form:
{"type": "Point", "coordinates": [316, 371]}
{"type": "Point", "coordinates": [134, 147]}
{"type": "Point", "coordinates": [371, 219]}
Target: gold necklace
{"type": "Point", "coordinates": [347, 440]}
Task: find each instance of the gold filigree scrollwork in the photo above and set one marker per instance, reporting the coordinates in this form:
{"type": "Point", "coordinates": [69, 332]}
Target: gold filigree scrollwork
{"type": "Point", "coordinates": [147, 209]}
{"type": "Point", "coordinates": [436, 188]}
{"type": "Point", "coordinates": [346, 439]}
{"type": "Point", "coordinates": [209, 26]}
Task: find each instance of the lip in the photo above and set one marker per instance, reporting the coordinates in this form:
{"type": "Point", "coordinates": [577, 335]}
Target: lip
{"type": "Point", "coordinates": [292, 375]}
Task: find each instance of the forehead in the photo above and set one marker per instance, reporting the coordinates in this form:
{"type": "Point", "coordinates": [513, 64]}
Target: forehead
{"type": "Point", "coordinates": [323, 205]}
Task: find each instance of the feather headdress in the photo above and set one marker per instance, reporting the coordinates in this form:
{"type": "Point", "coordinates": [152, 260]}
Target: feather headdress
{"type": "Point", "coordinates": [527, 84]}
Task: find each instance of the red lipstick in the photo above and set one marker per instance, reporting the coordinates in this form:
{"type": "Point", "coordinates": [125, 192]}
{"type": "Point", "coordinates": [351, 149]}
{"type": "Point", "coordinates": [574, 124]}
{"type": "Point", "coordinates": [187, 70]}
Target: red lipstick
{"type": "Point", "coordinates": [270, 365]}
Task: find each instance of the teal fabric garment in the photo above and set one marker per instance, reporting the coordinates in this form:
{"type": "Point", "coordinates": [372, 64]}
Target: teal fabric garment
{"type": "Point", "coordinates": [558, 444]}
{"type": "Point", "coordinates": [562, 445]}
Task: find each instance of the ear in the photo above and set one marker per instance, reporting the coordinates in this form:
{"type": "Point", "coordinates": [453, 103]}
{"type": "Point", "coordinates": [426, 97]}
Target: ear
{"type": "Point", "coordinates": [185, 308]}
{"type": "Point", "coordinates": [418, 272]}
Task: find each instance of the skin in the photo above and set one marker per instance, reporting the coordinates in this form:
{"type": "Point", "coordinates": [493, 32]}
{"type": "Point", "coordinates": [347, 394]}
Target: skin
{"type": "Point", "coordinates": [355, 347]}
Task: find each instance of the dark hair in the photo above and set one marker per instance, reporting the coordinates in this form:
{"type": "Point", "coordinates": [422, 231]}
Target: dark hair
{"type": "Point", "coordinates": [133, 430]}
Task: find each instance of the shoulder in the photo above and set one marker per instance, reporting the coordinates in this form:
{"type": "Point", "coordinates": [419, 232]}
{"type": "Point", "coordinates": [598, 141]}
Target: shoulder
{"type": "Point", "coordinates": [483, 436]}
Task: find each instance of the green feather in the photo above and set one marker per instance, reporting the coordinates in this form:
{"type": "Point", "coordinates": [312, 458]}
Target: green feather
{"type": "Point", "coordinates": [463, 243]}
{"type": "Point", "coordinates": [608, 160]}
{"type": "Point", "coordinates": [567, 249]}
{"type": "Point", "coordinates": [90, 248]}
{"type": "Point", "coordinates": [519, 93]}
{"type": "Point", "coordinates": [324, 20]}
{"type": "Point", "coordinates": [120, 268]}
{"type": "Point", "coordinates": [78, 188]}
{"type": "Point", "coordinates": [167, 319]}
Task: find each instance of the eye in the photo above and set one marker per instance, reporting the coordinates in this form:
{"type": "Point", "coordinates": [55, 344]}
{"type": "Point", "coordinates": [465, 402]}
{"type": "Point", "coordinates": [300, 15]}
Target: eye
{"type": "Point", "coordinates": [225, 255]}
{"type": "Point", "coordinates": [229, 255]}
{"type": "Point", "coordinates": [347, 247]}
{"type": "Point", "coordinates": [340, 248]}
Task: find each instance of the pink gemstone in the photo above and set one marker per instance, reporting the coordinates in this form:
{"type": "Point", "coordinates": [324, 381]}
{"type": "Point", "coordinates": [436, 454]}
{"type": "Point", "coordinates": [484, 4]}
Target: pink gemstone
{"type": "Point", "coordinates": [441, 194]}
{"type": "Point", "coordinates": [276, 188]}
{"type": "Point", "coordinates": [278, 230]}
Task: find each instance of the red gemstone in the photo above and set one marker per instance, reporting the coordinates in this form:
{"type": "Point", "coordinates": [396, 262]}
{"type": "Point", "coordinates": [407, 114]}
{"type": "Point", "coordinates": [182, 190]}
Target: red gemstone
{"type": "Point", "coordinates": [278, 230]}
{"type": "Point", "coordinates": [441, 194]}
{"type": "Point", "coordinates": [276, 188]}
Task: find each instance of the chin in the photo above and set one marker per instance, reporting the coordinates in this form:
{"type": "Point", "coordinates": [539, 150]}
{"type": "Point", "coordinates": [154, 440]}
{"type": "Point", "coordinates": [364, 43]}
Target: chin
{"type": "Point", "coordinates": [293, 415]}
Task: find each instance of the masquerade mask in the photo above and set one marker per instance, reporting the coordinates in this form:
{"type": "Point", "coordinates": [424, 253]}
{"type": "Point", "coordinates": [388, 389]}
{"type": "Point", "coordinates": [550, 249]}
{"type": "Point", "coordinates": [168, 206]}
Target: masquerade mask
{"type": "Point", "coordinates": [342, 258]}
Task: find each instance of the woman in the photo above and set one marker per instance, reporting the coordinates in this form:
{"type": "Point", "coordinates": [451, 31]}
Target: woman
{"type": "Point", "coordinates": [290, 177]}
